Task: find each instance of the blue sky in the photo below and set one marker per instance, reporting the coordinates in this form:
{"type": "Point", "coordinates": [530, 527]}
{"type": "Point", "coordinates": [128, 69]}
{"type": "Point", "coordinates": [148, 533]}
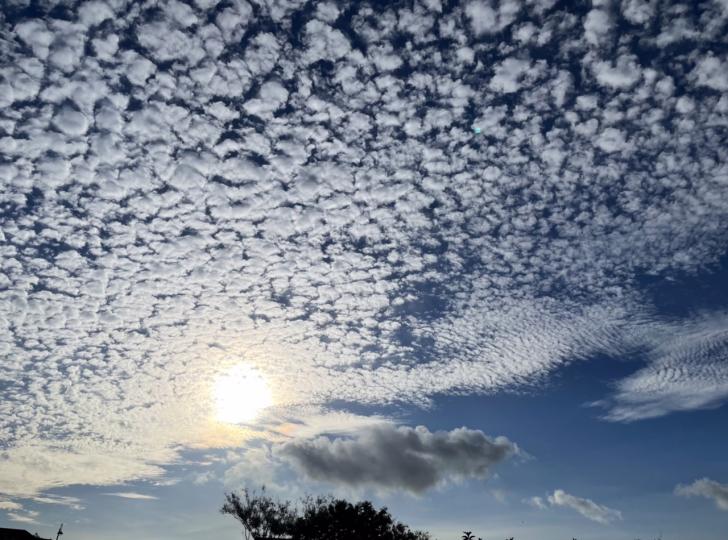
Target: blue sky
{"type": "Point", "coordinates": [466, 259]}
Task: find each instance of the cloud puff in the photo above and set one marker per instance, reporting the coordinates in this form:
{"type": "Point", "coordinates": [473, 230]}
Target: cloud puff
{"type": "Point", "coordinates": [710, 489]}
{"type": "Point", "coordinates": [611, 140]}
{"type": "Point", "coordinates": [586, 507]}
{"type": "Point", "coordinates": [324, 42]}
{"type": "Point", "coordinates": [487, 17]}
{"type": "Point", "coordinates": [271, 97]}
{"type": "Point", "coordinates": [638, 11]}
{"type": "Point", "coordinates": [70, 121]}
{"type": "Point", "coordinates": [508, 74]}
{"type": "Point", "coordinates": [394, 458]}
{"type": "Point", "coordinates": [597, 26]}
{"type": "Point", "coordinates": [711, 71]}
{"type": "Point", "coordinates": [621, 74]}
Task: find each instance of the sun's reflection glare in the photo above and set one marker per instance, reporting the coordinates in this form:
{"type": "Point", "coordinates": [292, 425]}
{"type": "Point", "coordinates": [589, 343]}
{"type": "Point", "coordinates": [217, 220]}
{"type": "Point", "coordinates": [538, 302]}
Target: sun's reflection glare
{"type": "Point", "coordinates": [240, 395]}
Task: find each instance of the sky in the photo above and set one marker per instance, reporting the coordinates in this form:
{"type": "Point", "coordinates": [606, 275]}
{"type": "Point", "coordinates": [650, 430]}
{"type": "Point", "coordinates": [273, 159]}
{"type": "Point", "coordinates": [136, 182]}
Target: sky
{"type": "Point", "coordinates": [467, 260]}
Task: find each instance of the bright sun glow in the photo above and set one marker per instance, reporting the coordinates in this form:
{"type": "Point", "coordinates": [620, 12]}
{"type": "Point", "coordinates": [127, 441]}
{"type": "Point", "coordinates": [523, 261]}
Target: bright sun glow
{"type": "Point", "coordinates": [240, 394]}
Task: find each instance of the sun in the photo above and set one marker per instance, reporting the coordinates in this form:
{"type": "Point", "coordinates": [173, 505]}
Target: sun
{"type": "Point", "coordinates": [240, 395]}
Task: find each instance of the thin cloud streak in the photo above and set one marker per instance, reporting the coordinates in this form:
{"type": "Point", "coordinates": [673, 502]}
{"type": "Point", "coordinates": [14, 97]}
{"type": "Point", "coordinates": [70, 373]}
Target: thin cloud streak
{"type": "Point", "coordinates": [586, 507]}
{"type": "Point", "coordinates": [132, 495]}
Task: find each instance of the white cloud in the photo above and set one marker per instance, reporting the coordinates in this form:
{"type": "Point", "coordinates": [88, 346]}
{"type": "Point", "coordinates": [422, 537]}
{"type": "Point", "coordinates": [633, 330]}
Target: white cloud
{"type": "Point", "coordinates": [508, 75]}
{"type": "Point", "coordinates": [489, 17]}
{"type": "Point", "coordinates": [94, 12]}
{"type": "Point", "coordinates": [611, 140]}
{"type": "Point", "coordinates": [324, 42]}
{"type": "Point", "coordinates": [638, 11]}
{"type": "Point", "coordinates": [327, 11]}
{"type": "Point", "coordinates": [622, 74]}
{"type": "Point", "coordinates": [685, 105]}
{"type": "Point", "coordinates": [586, 507]}
{"type": "Point", "coordinates": [597, 26]}
{"type": "Point", "coordinates": [233, 20]}
{"type": "Point", "coordinates": [271, 97]}
{"type": "Point", "coordinates": [132, 495]}
{"type": "Point", "coordinates": [36, 35]}
{"type": "Point", "coordinates": [712, 72]}
{"type": "Point", "coordinates": [71, 121]}
{"type": "Point", "coordinates": [62, 500]}
{"type": "Point", "coordinates": [710, 489]}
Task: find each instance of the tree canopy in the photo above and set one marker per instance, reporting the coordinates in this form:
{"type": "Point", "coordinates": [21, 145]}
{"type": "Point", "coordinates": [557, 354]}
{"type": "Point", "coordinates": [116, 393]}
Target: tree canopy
{"type": "Point", "coordinates": [320, 518]}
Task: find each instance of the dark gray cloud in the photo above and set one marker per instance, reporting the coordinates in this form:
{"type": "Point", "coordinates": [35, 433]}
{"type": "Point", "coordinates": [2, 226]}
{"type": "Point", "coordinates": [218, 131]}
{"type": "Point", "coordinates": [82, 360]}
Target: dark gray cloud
{"type": "Point", "coordinates": [389, 457]}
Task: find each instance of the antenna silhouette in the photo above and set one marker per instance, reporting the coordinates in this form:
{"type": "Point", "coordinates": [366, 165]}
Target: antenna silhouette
{"type": "Point", "coordinates": [60, 531]}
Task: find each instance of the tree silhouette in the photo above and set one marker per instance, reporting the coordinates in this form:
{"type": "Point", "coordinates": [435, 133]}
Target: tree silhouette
{"type": "Point", "coordinates": [321, 518]}
{"type": "Point", "coordinates": [261, 516]}
{"type": "Point", "coordinates": [468, 535]}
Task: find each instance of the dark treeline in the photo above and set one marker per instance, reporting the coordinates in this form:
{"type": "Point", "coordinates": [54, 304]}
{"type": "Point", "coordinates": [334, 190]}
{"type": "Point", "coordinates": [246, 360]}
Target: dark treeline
{"type": "Point", "coordinates": [320, 518]}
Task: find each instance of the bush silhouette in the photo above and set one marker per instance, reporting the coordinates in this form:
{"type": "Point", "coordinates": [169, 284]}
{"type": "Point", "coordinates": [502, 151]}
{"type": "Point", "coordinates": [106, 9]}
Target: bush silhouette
{"type": "Point", "coordinates": [320, 518]}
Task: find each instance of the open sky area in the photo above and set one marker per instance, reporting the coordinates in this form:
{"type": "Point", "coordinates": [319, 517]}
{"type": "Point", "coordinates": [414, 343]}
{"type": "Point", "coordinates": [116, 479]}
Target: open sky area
{"type": "Point", "coordinates": [468, 260]}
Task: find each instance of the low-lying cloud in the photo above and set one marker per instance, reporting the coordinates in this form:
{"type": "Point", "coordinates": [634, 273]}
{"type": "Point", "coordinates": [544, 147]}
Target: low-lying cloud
{"type": "Point", "coordinates": [399, 458]}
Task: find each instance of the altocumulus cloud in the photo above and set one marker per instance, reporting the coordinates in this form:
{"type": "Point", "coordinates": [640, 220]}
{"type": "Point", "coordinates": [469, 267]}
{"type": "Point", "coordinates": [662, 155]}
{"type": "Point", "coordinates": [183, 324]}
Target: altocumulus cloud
{"type": "Point", "coordinates": [682, 358]}
{"type": "Point", "coordinates": [172, 200]}
{"type": "Point", "coordinates": [710, 489]}
{"type": "Point", "coordinates": [391, 457]}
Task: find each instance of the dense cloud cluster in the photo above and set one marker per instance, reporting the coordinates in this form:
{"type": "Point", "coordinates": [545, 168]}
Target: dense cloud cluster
{"type": "Point", "coordinates": [187, 185]}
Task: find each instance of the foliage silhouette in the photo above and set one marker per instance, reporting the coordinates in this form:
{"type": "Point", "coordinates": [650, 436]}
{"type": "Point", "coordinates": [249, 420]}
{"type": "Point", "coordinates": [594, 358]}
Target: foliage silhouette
{"type": "Point", "coordinates": [260, 515]}
{"type": "Point", "coordinates": [320, 518]}
{"type": "Point", "coordinates": [468, 535]}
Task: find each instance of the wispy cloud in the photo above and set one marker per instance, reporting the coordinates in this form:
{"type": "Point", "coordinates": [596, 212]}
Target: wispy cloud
{"type": "Point", "coordinates": [10, 505]}
{"type": "Point", "coordinates": [710, 489]}
{"type": "Point", "coordinates": [586, 507]}
{"type": "Point", "coordinates": [63, 500]}
{"type": "Point", "coordinates": [132, 495]}
{"type": "Point", "coordinates": [536, 502]}
{"type": "Point", "coordinates": [686, 370]}
{"type": "Point", "coordinates": [27, 516]}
